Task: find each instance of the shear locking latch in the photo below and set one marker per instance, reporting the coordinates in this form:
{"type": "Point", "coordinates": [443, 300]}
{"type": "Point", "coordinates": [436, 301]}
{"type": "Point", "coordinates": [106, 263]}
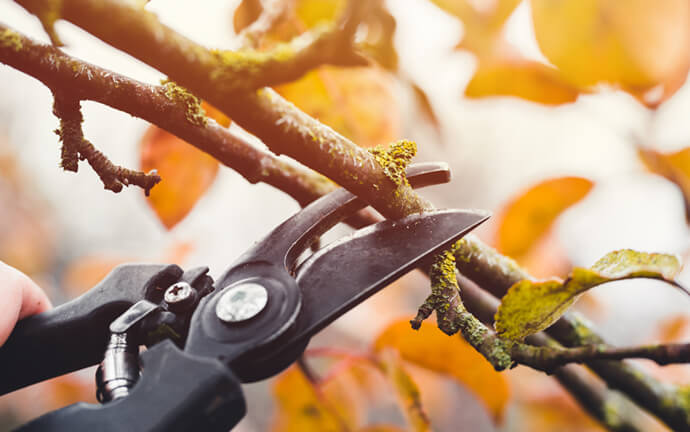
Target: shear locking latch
{"type": "Point", "coordinates": [119, 371]}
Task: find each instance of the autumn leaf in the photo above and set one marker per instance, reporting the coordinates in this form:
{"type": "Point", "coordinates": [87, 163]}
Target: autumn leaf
{"type": "Point", "coordinates": [186, 174]}
{"type": "Point", "coordinates": [69, 389]}
{"type": "Point", "coordinates": [528, 80]}
{"type": "Point", "coordinates": [674, 329]}
{"type": "Point", "coordinates": [382, 428]}
{"type": "Point", "coordinates": [425, 107]}
{"type": "Point", "coordinates": [430, 348]}
{"type": "Point", "coordinates": [247, 12]}
{"type": "Point", "coordinates": [355, 102]}
{"type": "Point", "coordinates": [636, 44]}
{"type": "Point", "coordinates": [301, 407]}
{"type": "Point", "coordinates": [530, 215]}
{"type": "Point", "coordinates": [530, 307]}
{"type": "Point", "coordinates": [83, 274]}
{"type": "Point", "coordinates": [482, 25]}
{"type": "Point", "coordinates": [215, 114]}
{"type": "Point", "coordinates": [406, 390]}
{"type": "Point", "coordinates": [673, 166]}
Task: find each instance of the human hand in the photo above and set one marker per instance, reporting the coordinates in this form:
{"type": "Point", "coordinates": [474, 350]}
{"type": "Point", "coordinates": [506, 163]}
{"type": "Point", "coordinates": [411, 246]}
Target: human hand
{"type": "Point", "coordinates": [21, 297]}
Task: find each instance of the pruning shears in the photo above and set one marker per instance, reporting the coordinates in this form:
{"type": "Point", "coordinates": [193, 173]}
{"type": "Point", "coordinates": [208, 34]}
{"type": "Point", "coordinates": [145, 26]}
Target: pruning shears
{"type": "Point", "coordinates": [204, 337]}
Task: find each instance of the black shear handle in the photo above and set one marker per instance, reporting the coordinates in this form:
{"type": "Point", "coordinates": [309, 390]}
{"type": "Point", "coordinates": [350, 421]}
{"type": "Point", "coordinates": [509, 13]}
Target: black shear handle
{"type": "Point", "coordinates": [177, 392]}
{"type": "Point", "coordinates": [73, 335]}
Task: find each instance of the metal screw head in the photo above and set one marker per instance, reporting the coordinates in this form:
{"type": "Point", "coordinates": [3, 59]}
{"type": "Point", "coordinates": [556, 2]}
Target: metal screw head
{"type": "Point", "coordinates": [241, 303]}
{"type": "Point", "coordinates": [178, 293]}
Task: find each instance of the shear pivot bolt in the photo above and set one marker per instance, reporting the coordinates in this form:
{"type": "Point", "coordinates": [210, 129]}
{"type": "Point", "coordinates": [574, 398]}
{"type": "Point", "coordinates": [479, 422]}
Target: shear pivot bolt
{"type": "Point", "coordinates": [241, 303]}
{"type": "Point", "coordinates": [179, 295]}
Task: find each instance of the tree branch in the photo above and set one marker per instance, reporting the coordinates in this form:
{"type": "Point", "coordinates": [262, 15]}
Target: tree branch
{"type": "Point", "coordinates": [62, 73]}
{"type": "Point", "coordinates": [264, 113]}
{"type": "Point", "coordinates": [612, 409]}
{"type": "Point", "coordinates": [496, 273]}
{"type": "Point", "coordinates": [75, 147]}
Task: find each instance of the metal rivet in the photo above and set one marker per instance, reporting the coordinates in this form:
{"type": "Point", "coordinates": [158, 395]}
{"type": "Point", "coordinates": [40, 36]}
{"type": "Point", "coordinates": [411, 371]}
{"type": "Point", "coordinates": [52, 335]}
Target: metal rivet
{"type": "Point", "coordinates": [178, 293]}
{"type": "Point", "coordinates": [241, 303]}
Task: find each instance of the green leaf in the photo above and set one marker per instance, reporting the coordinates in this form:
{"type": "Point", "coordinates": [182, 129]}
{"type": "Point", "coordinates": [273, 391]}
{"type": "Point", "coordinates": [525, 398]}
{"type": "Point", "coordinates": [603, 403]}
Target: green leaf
{"type": "Point", "coordinates": [529, 307]}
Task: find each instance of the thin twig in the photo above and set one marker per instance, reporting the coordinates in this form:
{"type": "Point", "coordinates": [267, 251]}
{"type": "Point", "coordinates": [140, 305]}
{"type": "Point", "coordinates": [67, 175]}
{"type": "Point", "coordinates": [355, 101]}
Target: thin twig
{"type": "Point", "coordinates": [75, 147]}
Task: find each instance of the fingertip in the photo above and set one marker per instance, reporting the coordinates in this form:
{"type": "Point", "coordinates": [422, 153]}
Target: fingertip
{"type": "Point", "coordinates": [32, 299]}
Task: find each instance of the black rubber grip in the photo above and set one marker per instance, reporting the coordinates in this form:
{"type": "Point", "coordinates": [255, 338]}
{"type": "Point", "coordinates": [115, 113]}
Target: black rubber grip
{"type": "Point", "coordinates": [74, 335]}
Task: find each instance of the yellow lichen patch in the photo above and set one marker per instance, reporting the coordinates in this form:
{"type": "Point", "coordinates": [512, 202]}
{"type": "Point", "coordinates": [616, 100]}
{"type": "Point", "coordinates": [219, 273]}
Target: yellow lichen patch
{"type": "Point", "coordinates": [530, 306]}
{"type": "Point", "coordinates": [10, 39]}
{"type": "Point", "coordinates": [195, 113]}
{"type": "Point", "coordinates": [394, 161]}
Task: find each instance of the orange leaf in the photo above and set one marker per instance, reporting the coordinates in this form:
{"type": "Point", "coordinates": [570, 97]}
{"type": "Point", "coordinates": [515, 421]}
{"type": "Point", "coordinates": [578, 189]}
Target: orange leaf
{"type": "Point", "coordinates": [524, 79]}
{"type": "Point", "coordinates": [86, 272]}
{"type": "Point", "coordinates": [529, 216]}
{"type": "Point", "coordinates": [303, 407]}
{"type": "Point", "coordinates": [246, 13]}
{"type": "Point", "coordinates": [215, 114]}
{"type": "Point", "coordinates": [430, 348]}
{"type": "Point", "coordinates": [635, 44]}
{"type": "Point", "coordinates": [69, 389]}
{"type": "Point", "coordinates": [406, 390]}
{"type": "Point", "coordinates": [186, 174]}
{"type": "Point", "coordinates": [382, 428]}
{"type": "Point", "coordinates": [359, 103]}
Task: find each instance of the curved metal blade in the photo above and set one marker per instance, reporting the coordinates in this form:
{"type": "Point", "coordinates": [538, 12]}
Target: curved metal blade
{"type": "Point", "coordinates": [287, 241]}
{"type": "Point", "coordinates": [340, 276]}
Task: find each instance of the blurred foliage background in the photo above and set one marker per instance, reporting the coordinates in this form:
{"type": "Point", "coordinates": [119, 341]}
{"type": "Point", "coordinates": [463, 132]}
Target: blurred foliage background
{"type": "Point", "coordinates": [567, 119]}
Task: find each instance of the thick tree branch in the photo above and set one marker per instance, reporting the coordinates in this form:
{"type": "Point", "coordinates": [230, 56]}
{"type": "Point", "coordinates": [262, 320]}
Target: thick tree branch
{"type": "Point", "coordinates": [138, 32]}
{"type": "Point", "coordinates": [62, 73]}
{"type": "Point", "coordinates": [264, 113]}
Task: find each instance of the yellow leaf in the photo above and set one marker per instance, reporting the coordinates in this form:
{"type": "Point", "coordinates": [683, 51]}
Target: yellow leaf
{"type": "Point", "coordinates": [303, 407]}
{"type": "Point", "coordinates": [529, 216]}
{"type": "Point", "coordinates": [382, 428]}
{"type": "Point", "coordinates": [313, 12]}
{"type": "Point", "coordinates": [300, 15]}
{"type": "Point", "coordinates": [524, 79]}
{"type": "Point", "coordinates": [530, 307]}
{"type": "Point", "coordinates": [186, 174]}
{"type": "Point", "coordinates": [635, 44]}
{"type": "Point", "coordinates": [430, 348]}
{"type": "Point", "coordinates": [299, 407]}
{"type": "Point", "coordinates": [482, 27]}
{"type": "Point", "coordinates": [358, 103]}
{"type": "Point", "coordinates": [406, 390]}
{"type": "Point", "coordinates": [673, 166]}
